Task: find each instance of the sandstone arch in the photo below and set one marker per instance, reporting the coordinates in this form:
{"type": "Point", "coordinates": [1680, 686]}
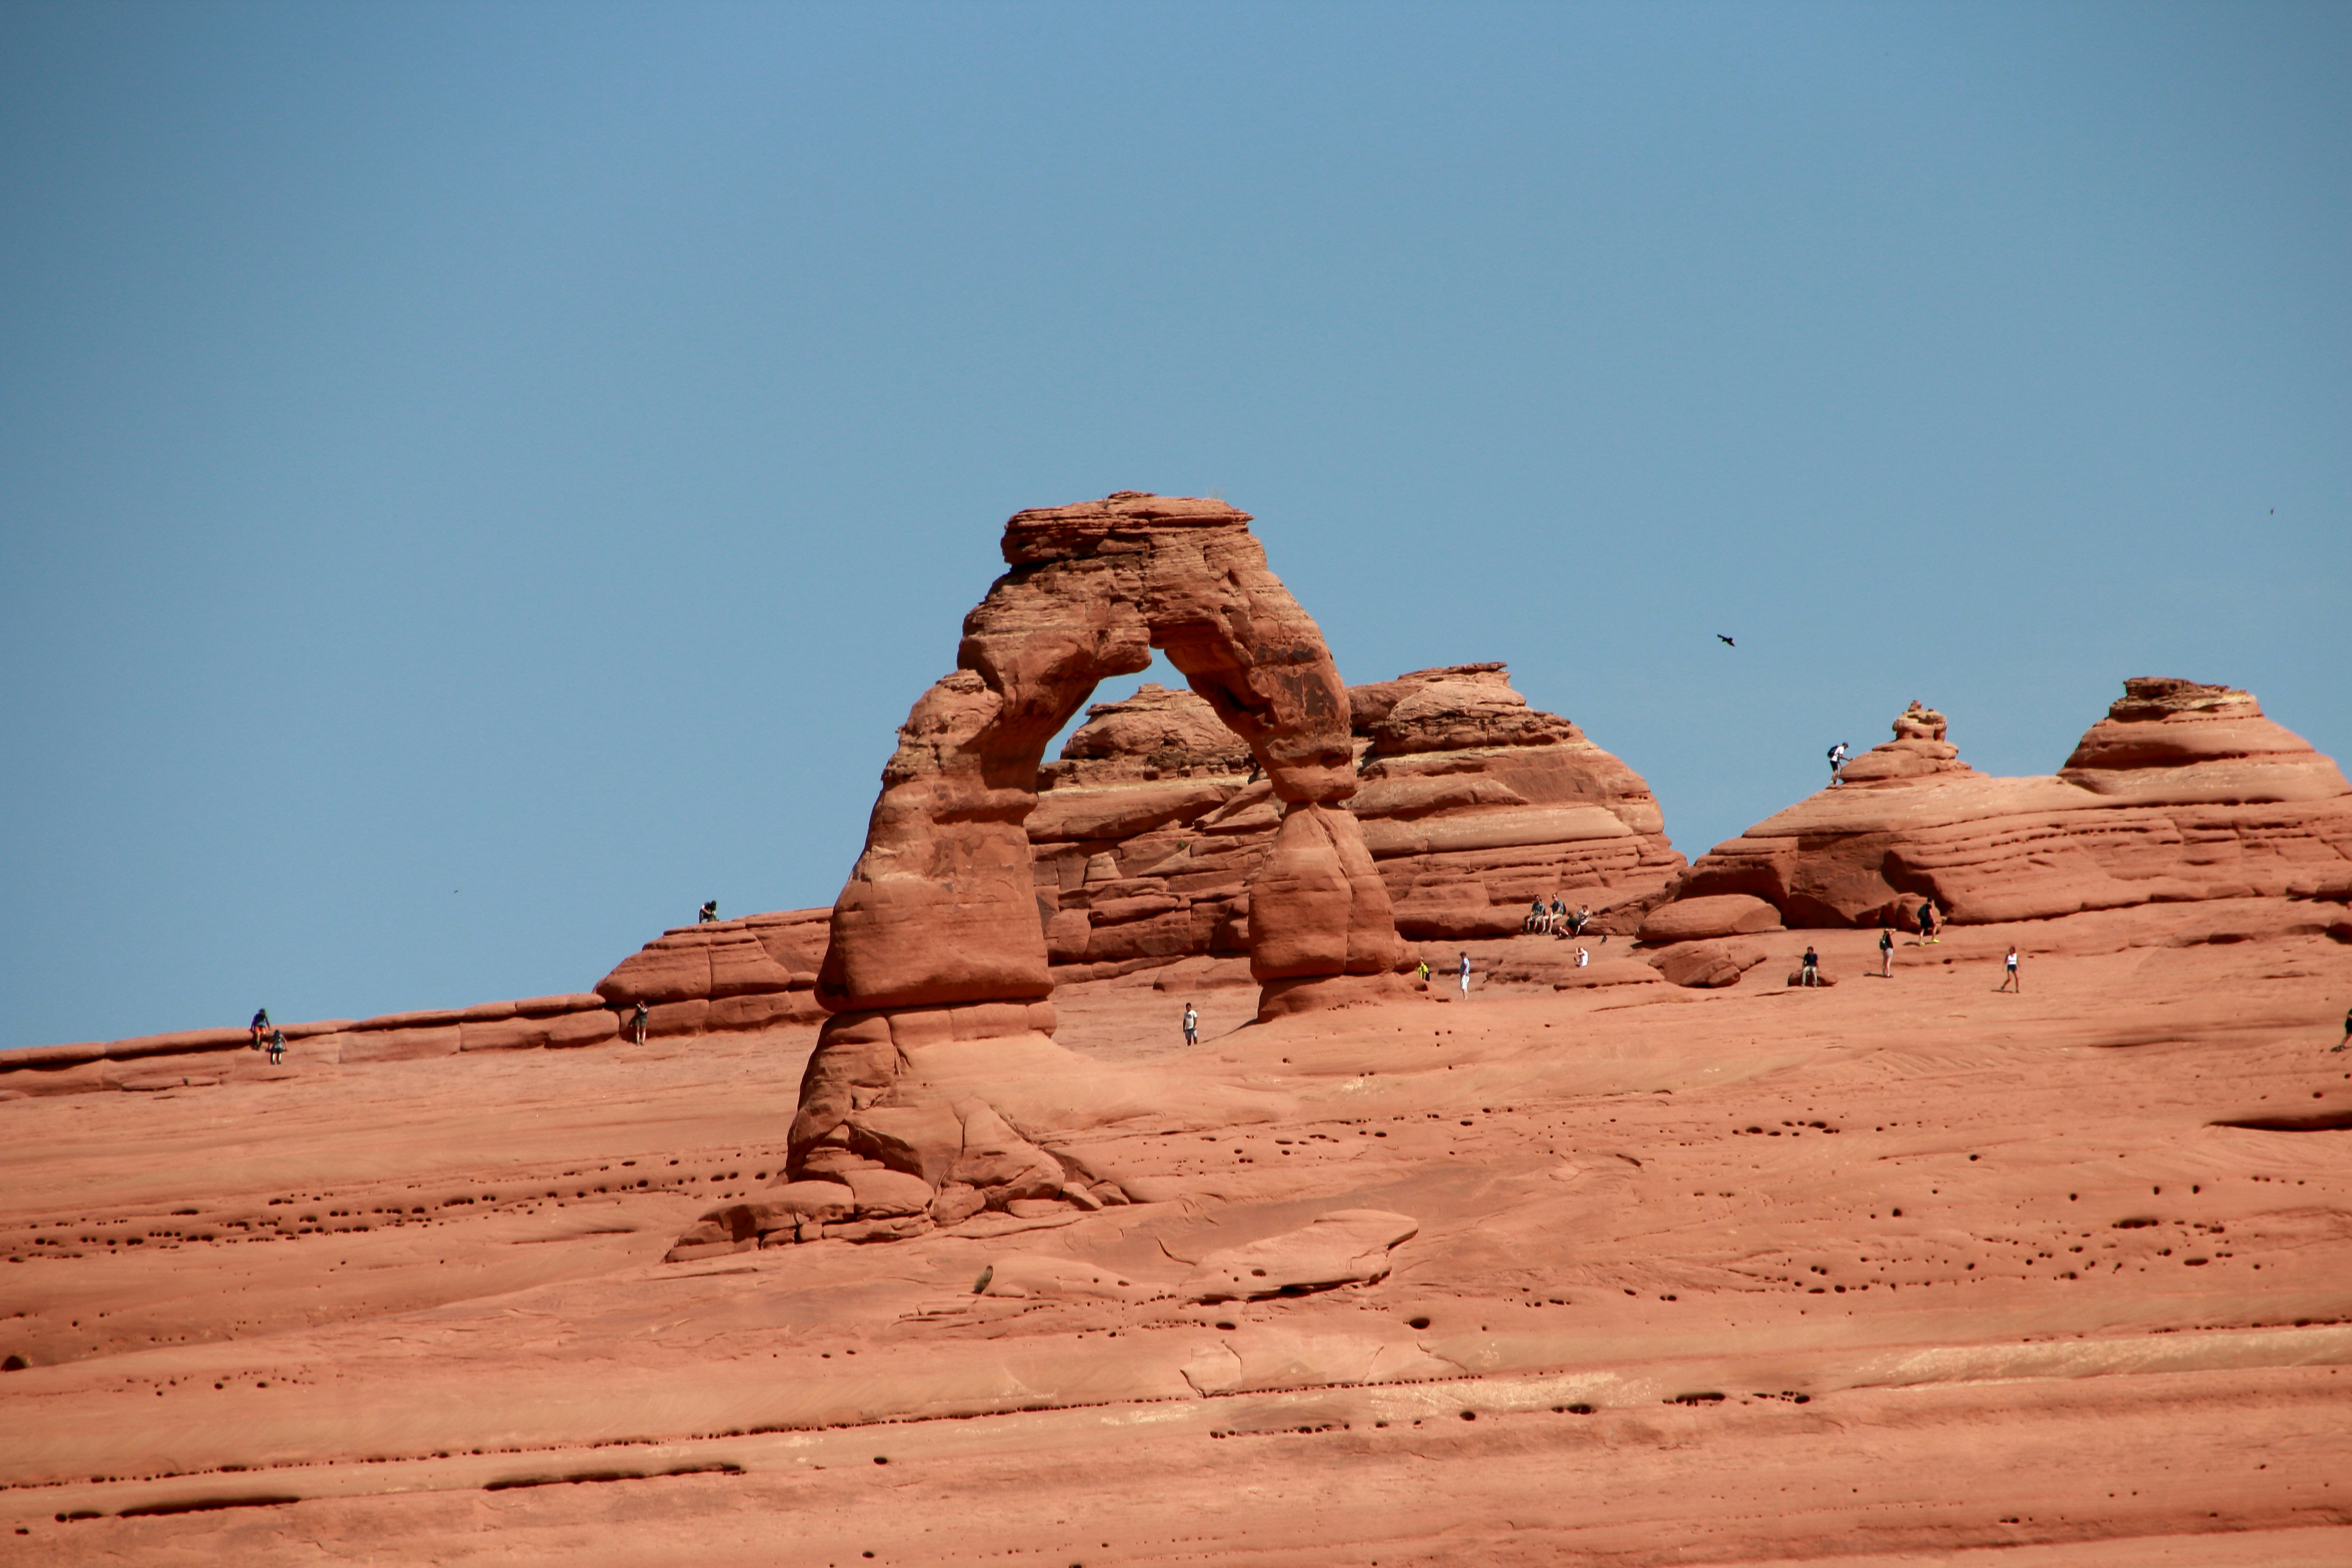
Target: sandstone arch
{"type": "Point", "coordinates": [936, 936]}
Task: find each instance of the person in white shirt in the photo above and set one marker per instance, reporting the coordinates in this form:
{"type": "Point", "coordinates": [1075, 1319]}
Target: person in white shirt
{"type": "Point", "coordinates": [1583, 958]}
{"type": "Point", "coordinates": [1192, 1025]}
{"type": "Point", "coordinates": [1465, 976]}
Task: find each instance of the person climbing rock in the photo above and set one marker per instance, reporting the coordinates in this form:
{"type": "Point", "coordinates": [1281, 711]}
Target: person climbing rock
{"type": "Point", "coordinates": [637, 1023]}
{"type": "Point", "coordinates": [2009, 978]}
{"type": "Point", "coordinates": [1837, 762]}
{"type": "Point", "coordinates": [1465, 975]}
{"type": "Point", "coordinates": [259, 1027]}
{"type": "Point", "coordinates": [709, 913]}
{"type": "Point", "coordinates": [1885, 951]}
{"type": "Point", "coordinates": [1192, 1025]}
{"type": "Point", "coordinates": [1812, 968]}
{"type": "Point", "coordinates": [276, 1047]}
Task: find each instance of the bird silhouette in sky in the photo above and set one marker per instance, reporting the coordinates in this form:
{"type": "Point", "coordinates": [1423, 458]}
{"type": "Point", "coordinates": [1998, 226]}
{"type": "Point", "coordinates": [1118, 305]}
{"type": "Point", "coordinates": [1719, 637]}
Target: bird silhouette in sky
{"type": "Point", "coordinates": [1725, 640]}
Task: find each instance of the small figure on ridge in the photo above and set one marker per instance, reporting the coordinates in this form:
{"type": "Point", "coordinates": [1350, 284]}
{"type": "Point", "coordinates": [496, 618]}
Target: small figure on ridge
{"type": "Point", "coordinates": [710, 913]}
{"type": "Point", "coordinates": [1837, 763]}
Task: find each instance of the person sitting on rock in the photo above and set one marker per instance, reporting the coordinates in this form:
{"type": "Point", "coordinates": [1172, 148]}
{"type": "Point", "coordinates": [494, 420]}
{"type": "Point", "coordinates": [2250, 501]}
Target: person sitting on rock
{"type": "Point", "coordinates": [1583, 958]}
{"type": "Point", "coordinates": [710, 913]}
{"type": "Point", "coordinates": [259, 1027]}
{"type": "Point", "coordinates": [1837, 762]}
{"type": "Point", "coordinates": [1192, 1025]}
{"type": "Point", "coordinates": [1576, 921]}
{"type": "Point", "coordinates": [1534, 921]}
{"type": "Point", "coordinates": [1812, 968]}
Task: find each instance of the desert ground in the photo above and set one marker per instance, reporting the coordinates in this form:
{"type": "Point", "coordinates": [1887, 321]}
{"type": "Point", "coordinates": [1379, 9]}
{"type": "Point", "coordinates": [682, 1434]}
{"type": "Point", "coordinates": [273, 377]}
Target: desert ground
{"type": "Point", "coordinates": [1901, 1270]}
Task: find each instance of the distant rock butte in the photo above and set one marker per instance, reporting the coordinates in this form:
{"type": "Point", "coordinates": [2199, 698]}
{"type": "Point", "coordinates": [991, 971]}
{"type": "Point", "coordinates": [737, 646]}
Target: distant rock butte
{"type": "Point", "coordinates": [2183, 792]}
{"type": "Point", "coordinates": [1473, 806]}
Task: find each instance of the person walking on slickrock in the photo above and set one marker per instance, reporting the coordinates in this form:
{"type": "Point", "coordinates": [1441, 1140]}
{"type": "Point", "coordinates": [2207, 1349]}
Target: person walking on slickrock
{"type": "Point", "coordinates": [1465, 975]}
{"type": "Point", "coordinates": [1423, 967]}
{"type": "Point", "coordinates": [1813, 967]}
{"type": "Point", "coordinates": [2010, 979]}
{"type": "Point", "coordinates": [1927, 923]}
{"type": "Point", "coordinates": [1192, 1025]}
{"type": "Point", "coordinates": [1886, 950]}
{"type": "Point", "coordinates": [1837, 762]}
{"type": "Point", "coordinates": [277, 1046]}
{"type": "Point", "coordinates": [637, 1023]}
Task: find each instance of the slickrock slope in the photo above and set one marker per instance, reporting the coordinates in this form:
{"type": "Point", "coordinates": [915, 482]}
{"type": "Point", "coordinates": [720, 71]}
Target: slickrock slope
{"type": "Point", "coordinates": [2183, 792]}
{"type": "Point", "coordinates": [1904, 1271]}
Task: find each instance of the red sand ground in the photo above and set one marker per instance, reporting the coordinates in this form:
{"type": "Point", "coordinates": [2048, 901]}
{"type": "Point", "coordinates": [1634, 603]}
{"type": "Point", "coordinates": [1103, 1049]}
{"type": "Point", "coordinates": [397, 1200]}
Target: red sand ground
{"type": "Point", "coordinates": [1900, 1271]}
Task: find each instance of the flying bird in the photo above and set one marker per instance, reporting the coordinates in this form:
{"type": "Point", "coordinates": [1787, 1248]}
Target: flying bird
{"type": "Point", "coordinates": [1725, 640]}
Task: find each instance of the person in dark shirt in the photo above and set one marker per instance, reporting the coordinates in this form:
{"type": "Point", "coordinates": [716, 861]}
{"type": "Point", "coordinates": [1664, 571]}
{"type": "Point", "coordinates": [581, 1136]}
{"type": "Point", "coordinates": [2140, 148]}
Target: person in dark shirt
{"type": "Point", "coordinates": [259, 1027]}
{"type": "Point", "coordinates": [1885, 951]}
{"type": "Point", "coordinates": [710, 913]}
{"type": "Point", "coordinates": [1812, 968]}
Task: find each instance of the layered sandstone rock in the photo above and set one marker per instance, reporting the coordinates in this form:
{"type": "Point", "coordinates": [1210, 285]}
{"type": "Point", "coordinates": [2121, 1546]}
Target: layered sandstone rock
{"type": "Point", "coordinates": [2183, 792]}
{"type": "Point", "coordinates": [1473, 806]}
{"type": "Point", "coordinates": [942, 930]}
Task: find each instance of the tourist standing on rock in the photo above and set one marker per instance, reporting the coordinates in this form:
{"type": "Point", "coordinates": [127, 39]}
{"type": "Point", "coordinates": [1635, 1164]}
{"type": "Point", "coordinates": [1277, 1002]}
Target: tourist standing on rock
{"type": "Point", "coordinates": [1813, 967]}
{"type": "Point", "coordinates": [1465, 976]}
{"type": "Point", "coordinates": [1837, 762]}
{"type": "Point", "coordinates": [259, 1027]}
{"type": "Point", "coordinates": [710, 913]}
{"type": "Point", "coordinates": [1192, 1025]}
{"type": "Point", "coordinates": [1423, 967]}
{"type": "Point", "coordinates": [2010, 978]}
{"type": "Point", "coordinates": [637, 1023]}
{"type": "Point", "coordinates": [1886, 950]}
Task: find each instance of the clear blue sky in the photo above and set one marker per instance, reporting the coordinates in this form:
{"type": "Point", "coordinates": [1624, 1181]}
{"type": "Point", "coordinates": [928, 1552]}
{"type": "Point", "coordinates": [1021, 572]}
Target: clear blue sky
{"type": "Point", "coordinates": [477, 480]}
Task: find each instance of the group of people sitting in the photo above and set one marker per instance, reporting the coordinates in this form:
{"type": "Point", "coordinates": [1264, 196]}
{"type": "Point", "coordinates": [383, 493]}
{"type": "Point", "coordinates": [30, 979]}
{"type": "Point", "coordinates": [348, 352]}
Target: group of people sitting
{"type": "Point", "coordinates": [1554, 919]}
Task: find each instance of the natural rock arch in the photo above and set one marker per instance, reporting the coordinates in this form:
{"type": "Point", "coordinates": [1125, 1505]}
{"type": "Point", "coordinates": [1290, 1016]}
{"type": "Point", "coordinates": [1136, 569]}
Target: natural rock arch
{"type": "Point", "coordinates": [937, 937]}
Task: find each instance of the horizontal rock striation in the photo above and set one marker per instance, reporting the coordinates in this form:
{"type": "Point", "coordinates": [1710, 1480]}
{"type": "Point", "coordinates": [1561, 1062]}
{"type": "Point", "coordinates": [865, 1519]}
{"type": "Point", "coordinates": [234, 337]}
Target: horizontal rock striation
{"type": "Point", "coordinates": [2183, 792]}
{"type": "Point", "coordinates": [1472, 806]}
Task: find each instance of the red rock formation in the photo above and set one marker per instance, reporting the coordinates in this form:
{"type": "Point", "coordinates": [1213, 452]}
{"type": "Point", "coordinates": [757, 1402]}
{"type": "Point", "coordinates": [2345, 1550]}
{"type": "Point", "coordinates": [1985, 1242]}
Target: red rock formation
{"type": "Point", "coordinates": [941, 914]}
{"type": "Point", "coordinates": [2183, 792]}
{"type": "Point", "coordinates": [1475, 805]}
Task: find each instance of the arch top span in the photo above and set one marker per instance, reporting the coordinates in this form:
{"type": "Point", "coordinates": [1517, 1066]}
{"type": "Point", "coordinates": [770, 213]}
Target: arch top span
{"type": "Point", "coordinates": [941, 910]}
